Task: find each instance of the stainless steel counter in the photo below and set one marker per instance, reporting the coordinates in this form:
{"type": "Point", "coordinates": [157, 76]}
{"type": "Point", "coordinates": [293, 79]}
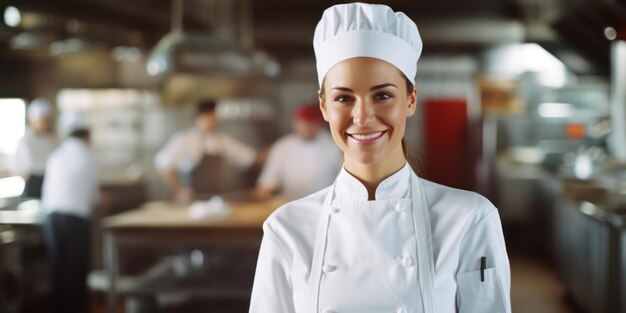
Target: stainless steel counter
{"type": "Point", "coordinates": [590, 246]}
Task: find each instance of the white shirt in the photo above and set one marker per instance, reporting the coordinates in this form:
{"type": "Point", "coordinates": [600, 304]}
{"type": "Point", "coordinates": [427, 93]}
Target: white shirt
{"type": "Point", "coordinates": [32, 153]}
{"type": "Point", "coordinates": [185, 150]}
{"type": "Point", "coordinates": [300, 167]}
{"type": "Point", "coordinates": [370, 262]}
{"type": "Point", "coordinates": [71, 179]}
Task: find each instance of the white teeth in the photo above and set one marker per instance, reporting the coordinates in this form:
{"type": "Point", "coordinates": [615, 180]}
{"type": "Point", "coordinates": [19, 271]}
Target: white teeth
{"type": "Point", "coordinates": [367, 137]}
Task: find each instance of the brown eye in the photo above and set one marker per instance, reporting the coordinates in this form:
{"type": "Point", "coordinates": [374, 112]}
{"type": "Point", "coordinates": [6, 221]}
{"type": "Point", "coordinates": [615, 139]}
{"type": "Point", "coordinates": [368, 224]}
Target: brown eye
{"type": "Point", "coordinates": [382, 96]}
{"type": "Point", "coordinates": [343, 99]}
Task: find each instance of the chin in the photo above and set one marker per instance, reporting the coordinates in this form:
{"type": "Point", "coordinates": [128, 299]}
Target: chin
{"type": "Point", "coordinates": [365, 158]}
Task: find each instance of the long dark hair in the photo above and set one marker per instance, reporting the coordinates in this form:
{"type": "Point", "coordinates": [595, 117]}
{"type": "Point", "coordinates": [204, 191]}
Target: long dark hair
{"type": "Point", "coordinates": [411, 157]}
{"type": "Point", "coordinates": [409, 154]}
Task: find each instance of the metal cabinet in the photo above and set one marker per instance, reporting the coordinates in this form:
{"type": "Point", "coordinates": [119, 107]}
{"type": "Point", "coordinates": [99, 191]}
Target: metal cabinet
{"type": "Point", "coordinates": [585, 253]}
{"type": "Point", "coordinates": [621, 291]}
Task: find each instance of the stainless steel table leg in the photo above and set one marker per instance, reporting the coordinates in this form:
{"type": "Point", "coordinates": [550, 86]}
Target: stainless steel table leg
{"type": "Point", "coordinates": [111, 266]}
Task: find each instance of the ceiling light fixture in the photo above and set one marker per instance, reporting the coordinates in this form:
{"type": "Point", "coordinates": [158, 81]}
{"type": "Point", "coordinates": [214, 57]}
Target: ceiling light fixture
{"type": "Point", "coordinates": [12, 16]}
{"type": "Point", "coordinates": [610, 33]}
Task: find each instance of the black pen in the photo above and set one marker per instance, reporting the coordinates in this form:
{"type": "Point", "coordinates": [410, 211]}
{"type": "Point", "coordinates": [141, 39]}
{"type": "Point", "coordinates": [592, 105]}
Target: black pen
{"type": "Point", "coordinates": [483, 267]}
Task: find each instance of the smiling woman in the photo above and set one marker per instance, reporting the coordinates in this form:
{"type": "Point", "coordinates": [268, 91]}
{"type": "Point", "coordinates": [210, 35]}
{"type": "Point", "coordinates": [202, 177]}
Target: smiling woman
{"type": "Point", "coordinates": [366, 105]}
{"type": "Point", "coordinates": [380, 239]}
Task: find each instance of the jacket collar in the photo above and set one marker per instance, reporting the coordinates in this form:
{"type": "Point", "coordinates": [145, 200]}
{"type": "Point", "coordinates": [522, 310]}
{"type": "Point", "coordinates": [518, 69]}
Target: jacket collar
{"type": "Point", "coordinates": [349, 189]}
{"type": "Point", "coordinates": [75, 142]}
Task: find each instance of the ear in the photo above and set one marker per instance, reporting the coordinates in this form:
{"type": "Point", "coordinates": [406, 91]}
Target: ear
{"type": "Point", "coordinates": [322, 101]}
{"type": "Point", "coordinates": [412, 103]}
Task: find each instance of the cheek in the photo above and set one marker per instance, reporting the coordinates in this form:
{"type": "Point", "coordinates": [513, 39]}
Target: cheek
{"type": "Point", "coordinates": [337, 124]}
{"type": "Point", "coordinates": [336, 120]}
{"type": "Point", "coordinates": [394, 117]}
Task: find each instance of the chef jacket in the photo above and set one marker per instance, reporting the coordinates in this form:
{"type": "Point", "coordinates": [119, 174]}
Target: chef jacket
{"type": "Point", "coordinates": [417, 248]}
{"type": "Point", "coordinates": [32, 153]}
{"type": "Point", "coordinates": [300, 167]}
{"type": "Point", "coordinates": [185, 150]}
{"type": "Point", "coordinates": [71, 180]}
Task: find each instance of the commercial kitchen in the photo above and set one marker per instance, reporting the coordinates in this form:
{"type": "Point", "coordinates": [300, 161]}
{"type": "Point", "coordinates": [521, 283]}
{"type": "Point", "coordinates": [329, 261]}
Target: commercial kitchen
{"type": "Point", "coordinates": [191, 121]}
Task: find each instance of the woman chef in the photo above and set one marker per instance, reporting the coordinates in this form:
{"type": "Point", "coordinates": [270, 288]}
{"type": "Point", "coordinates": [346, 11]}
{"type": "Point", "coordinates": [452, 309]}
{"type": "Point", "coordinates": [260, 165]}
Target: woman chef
{"type": "Point", "coordinates": [380, 239]}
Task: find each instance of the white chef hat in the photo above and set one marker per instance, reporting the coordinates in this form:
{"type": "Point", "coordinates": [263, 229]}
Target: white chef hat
{"type": "Point", "coordinates": [70, 122]}
{"type": "Point", "coordinates": [39, 108]}
{"type": "Point", "coordinates": [366, 30]}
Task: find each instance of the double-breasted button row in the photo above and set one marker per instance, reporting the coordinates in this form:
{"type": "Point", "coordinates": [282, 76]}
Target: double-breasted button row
{"type": "Point", "coordinates": [400, 207]}
{"type": "Point", "coordinates": [327, 268]}
{"type": "Point", "coordinates": [404, 261]}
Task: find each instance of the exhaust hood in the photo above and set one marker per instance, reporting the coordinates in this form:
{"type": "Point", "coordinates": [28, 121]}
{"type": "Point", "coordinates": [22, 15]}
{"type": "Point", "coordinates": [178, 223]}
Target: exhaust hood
{"type": "Point", "coordinates": [180, 52]}
{"type": "Point", "coordinates": [213, 54]}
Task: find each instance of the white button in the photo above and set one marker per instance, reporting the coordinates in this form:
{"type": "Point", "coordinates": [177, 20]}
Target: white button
{"type": "Point", "coordinates": [334, 210]}
{"type": "Point", "coordinates": [398, 260]}
{"type": "Point", "coordinates": [327, 268]}
{"type": "Point", "coordinates": [400, 310]}
{"type": "Point", "coordinates": [400, 207]}
{"type": "Point", "coordinates": [407, 261]}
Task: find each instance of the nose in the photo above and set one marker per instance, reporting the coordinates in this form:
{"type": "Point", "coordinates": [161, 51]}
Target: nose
{"type": "Point", "coordinates": [362, 113]}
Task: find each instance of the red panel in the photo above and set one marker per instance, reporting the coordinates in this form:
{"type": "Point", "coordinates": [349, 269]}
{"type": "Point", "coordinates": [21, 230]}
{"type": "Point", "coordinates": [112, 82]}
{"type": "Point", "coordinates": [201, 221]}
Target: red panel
{"type": "Point", "coordinates": [445, 142]}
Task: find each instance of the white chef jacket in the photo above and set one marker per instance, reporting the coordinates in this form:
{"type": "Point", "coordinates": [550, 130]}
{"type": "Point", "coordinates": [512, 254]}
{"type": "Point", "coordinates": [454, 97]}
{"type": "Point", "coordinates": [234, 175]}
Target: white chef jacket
{"type": "Point", "coordinates": [300, 167]}
{"type": "Point", "coordinates": [71, 180]}
{"type": "Point", "coordinates": [184, 150]}
{"type": "Point", "coordinates": [32, 153]}
{"type": "Point", "coordinates": [348, 254]}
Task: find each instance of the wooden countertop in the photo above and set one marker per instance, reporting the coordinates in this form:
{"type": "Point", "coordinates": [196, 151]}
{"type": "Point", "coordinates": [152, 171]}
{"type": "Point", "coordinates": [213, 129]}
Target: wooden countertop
{"type": "Point", "coordinates": [20, 218]}
{"type": "Point", "coordinates": [172, 215]}
{"type": "Point", "coordinates": [28, 212]}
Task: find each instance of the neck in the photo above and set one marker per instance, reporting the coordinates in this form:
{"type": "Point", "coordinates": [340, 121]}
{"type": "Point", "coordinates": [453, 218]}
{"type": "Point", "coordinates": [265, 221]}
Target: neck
{"type": "Point", "coordinates": [372, 174]}
{"type": "Point", "coordinates": [206, 131]}
{"type": "Point", "coordinates": [40, 132]}
{"type": "Point", "coordinates": [308, 139]}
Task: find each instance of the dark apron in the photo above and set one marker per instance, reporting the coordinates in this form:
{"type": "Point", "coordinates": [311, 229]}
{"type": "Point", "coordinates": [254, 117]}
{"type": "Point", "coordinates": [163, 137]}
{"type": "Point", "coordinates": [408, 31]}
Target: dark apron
{"type": "Point", "coordinates": [32, 189]}
{"type": "Point", "coordinates": [208, 178]}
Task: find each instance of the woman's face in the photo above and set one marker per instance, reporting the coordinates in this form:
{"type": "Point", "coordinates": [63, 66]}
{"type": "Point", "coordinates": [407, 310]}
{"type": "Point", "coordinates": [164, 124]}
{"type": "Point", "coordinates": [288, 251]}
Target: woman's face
{"type": "Point", "coordinates": [366, 103]}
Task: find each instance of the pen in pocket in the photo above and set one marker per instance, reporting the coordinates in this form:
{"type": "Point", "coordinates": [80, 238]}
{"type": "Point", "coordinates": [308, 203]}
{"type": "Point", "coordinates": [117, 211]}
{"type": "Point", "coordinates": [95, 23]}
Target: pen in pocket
{"type": "Point", "coordinates": [483, 267]}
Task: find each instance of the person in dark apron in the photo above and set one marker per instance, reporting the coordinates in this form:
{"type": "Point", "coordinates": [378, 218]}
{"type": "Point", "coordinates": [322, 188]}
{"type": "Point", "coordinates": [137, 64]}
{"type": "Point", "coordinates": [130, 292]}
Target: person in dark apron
{"type": "Point", "coordinates": [34, 148]}
{"type": "Point", "coordinates": [196, 163]}
{"type": "Point", "coordinates": [209, 177]}
{"type": "Point", "coordinates": [32, 186]}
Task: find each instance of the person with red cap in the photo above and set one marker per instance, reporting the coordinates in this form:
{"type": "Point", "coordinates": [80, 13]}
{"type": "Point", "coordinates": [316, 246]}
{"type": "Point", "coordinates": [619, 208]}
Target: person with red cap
{"type": "Point", "coordinates": [302, 162]}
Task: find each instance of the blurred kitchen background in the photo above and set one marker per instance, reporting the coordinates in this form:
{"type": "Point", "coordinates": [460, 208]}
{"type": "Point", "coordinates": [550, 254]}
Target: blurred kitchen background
{"type": "Point", "coordinates": [523, 101]}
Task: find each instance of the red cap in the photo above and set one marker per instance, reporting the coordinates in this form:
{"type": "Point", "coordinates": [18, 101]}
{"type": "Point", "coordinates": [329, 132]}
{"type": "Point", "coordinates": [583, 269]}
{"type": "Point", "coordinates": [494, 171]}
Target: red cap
{"type": "Point", "coordinates": [309, 113]}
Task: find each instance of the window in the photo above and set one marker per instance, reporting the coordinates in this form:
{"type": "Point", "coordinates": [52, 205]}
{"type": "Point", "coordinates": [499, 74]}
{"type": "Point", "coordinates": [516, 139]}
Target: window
{"type": "Point", "coordinates": [12, 124]}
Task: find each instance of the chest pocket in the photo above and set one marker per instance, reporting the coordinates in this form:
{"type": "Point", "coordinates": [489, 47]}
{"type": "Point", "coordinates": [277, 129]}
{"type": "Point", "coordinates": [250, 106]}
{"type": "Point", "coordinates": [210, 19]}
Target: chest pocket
{"type": "Point", "coordinates": [478, 296]}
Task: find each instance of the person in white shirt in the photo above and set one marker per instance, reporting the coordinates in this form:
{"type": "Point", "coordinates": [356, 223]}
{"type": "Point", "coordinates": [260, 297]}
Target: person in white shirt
{"type": "Point", "coordinates": [380, 238]}
{"type": "Point", "coordinates": [195, 162]}
{"type": "Point", "coordinates": [33, 149]}
{"type": "Point", "coordinates": [70, 193]}
{"type": "Point", "coordinates": [302, 162]}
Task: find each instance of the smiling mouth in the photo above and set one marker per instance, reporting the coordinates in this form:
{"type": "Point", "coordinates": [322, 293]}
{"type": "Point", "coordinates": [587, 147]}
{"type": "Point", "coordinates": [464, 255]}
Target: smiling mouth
{"type": "Point", "coordinates": [369, 137]}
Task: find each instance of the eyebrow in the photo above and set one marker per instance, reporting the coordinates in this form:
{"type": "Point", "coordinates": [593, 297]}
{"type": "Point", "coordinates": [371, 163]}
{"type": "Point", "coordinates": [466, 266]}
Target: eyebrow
{"type": "Point", "coordinates": [371, 89]}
